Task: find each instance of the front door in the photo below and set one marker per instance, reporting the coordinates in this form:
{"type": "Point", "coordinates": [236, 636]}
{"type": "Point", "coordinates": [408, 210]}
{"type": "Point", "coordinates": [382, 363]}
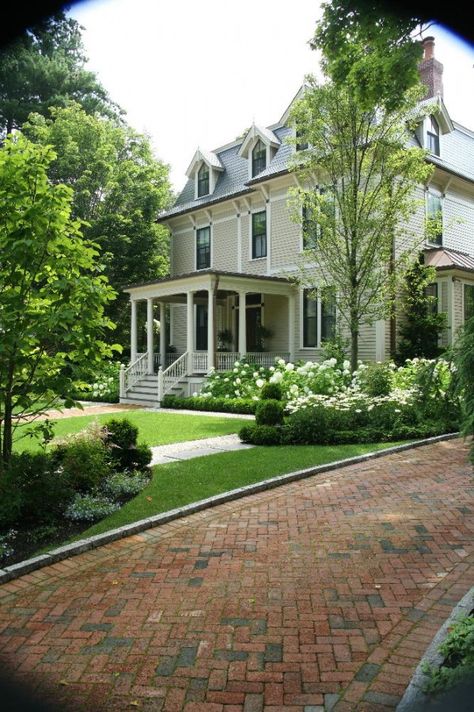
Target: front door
{"type": "Point", "coordinates": [254, 321]}
{"type": "Point", "coordinates": [201, 327]}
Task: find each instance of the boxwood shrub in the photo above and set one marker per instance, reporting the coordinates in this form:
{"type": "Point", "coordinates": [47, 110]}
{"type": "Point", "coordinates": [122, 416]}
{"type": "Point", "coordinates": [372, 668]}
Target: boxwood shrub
{"type": "Point", "coordinates": [209, 403]}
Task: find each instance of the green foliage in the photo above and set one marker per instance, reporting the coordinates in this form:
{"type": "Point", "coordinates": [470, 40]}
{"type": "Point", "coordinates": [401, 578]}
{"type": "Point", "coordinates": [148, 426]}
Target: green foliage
{"type": "Point", "coordinates": [464, 362]}
{"type": "Point", "coordinates": [53, 296]}
{"type": "Point", "coordinates": [362, 157]}
{"type": "Point", "coordinates": [90, 508]}
{"type": "Point", "coordinates": [335, 348]}
{"type": "Point", "coordinates": [122, 486]}
{"type": "Point", "coordinates": [376, 379]}
{"type": "Point", "coordinates": [118, 188]}
{"type": "Point", "coordinates": [103, 385]}
{"type": "Point", "coordinates": [209, 403]}
{"type": "Point", "coordinates": [32, 490]}
{"type": "Point", "coordinates": [269, 412]}
{"type": "Point", "coordinates": [260, 434]}
{"type": "Point", "coordinates": [45, 67]}
{"type": "Point", "coordinates": [370, 48]}
{"type": "Point", "coordinates": [422, 324]}
{"type": "Point", "coordinates": [84, 462]}
{"type": "Point", "coordinates": [458, 652]}
{"type": "Point", "coordinates": [121, 442]}
{"type": "Point", "coordinates": [271, 391]}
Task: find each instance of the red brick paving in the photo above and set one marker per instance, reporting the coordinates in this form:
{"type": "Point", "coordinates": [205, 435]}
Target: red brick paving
{"type": "Point", "coordinates": [325, 591]}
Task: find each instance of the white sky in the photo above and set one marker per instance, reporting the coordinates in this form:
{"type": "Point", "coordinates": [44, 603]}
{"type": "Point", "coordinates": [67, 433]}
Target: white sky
{"type": "Point", "coordinates": [198, 73]}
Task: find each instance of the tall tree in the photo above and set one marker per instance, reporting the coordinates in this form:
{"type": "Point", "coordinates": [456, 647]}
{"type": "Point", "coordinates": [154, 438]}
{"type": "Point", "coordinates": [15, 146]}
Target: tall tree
{"type": "Point", "coordinates": [52, 295]}
{"type": "Point", "coordinates": [44, 67]}
{"type": "Point", "coordinates": [361, 159]}
{"type": "Point", "coordinates": [371, 47]}
{"type": "Point", "coordinates": [119, 189]}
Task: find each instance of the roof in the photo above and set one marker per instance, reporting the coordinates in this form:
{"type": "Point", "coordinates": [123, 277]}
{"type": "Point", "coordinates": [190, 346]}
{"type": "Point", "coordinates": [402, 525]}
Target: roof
{"type": "Point", "coordinates": [217, 273]}
{"type": "Point", "coordinates": [444, 258]}
{"type": "Point", "coordinates": [208, 157]}
{"type": "Point", "coordinates": [457, 158]}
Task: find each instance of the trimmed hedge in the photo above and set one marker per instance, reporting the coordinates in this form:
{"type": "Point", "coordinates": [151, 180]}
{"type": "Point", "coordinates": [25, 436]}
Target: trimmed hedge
{"type": "Point", "coordinates": [220, 405]}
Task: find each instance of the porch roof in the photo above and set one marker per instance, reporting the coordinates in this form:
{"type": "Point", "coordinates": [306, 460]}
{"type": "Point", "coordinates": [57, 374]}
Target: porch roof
{"type": "Point", "coordinates": [446, 259]}
{"type": "Point", "coordinates": [209, 278]}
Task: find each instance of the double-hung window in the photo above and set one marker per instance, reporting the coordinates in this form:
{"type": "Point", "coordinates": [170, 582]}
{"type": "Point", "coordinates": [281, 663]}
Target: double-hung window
{"type": "Point", "coordinates": [259, 235]}
{"type": "Point", "coordinates": [203, 181]}
{"type": "Point", "coordinates": [328, 315]}
{"type": "Point", "coordinates": [310, 318]}
{"type": "Point", "coordinates": [434, 218]}
{"type": "Point", "coordinates": [468, 302]}
{"type": "Point", "coordinates": [203, 248]}
{"type": "Point", "coordinates": [432, 136]}
{"type": "Point", "coordinates": [259, 158]}
{"type": "Point", "coordinates": [319, 316]}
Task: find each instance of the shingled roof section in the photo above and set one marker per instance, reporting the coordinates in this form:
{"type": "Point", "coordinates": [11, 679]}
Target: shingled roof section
{"type": "Point", "coordinates": [457, 158]}
{"type": "Point", "coordinates": [444, 259]}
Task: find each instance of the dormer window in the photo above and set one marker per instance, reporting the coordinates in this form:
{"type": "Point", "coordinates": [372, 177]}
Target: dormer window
{"type": "Point", "coordinates": [259, 158]}
{"type": "Point", "coordinates": [432, 136]}
{"type": "Point", "coordinates": [203, 181]}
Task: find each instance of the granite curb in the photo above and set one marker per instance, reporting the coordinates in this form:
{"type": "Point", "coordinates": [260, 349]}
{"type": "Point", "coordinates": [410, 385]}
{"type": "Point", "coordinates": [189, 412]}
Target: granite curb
{"type": "Point", "coordinates": [415, 698]}
{"type": "Point", "coordinates": [78, 547]}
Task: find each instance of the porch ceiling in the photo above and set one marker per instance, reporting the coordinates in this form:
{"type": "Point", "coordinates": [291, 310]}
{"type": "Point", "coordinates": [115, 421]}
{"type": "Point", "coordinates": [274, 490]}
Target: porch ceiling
{"type": "Point", "coordinates": [174, 289]}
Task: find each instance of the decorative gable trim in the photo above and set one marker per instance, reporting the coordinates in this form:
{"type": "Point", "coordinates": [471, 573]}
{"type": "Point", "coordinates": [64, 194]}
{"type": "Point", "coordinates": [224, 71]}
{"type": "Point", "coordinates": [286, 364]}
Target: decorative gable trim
{"type": "Point", "coordinates": [212, 161]}
{"type": "Point", "coordinates": [253, 135]}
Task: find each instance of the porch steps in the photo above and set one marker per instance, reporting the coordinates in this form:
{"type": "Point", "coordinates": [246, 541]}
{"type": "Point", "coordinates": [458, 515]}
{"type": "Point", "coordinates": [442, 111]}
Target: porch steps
{"type": "Point", "coordinates": [145, 392]}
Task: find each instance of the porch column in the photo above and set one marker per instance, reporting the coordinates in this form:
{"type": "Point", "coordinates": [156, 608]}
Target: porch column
{"type": "Point", "coordinates": [133, 332]}
{"type": "Point", "coordinates": [242, 324]}
{"type": "Point", "coordinates": [210, 329]}
{"type": "Point", "coordinates": [163, 335]}
{"type": "Point", "coordinates": [190, 329]}
{"type": "Point", "coordinates": [149, 334]}
{"type": "Point", "coordinates": [291, 326]}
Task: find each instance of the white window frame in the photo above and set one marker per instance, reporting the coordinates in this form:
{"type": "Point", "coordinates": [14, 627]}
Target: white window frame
{"type": "Point", "coordinates": [437, 194]}
{"type": "Point", "coordinates": [211, 247]}
{"type": "Point", "coordinates": [250, 215]}
{"type": "Point", "coordinates": [318, 322]}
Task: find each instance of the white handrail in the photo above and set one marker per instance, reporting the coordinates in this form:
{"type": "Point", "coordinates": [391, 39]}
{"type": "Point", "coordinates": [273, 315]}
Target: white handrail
{"type": "Point", "coordinates": [129, 376]}
{"type": "Point", "coordinates": [171, 375]}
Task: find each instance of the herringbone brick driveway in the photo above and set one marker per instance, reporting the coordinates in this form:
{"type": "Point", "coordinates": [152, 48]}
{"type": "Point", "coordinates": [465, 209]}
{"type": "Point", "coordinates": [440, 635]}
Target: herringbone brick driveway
{"type": "Point", "coordinates": [320, 594]}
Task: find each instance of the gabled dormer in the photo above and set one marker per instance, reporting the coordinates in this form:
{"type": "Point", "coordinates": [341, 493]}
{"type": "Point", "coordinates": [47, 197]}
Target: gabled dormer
{"type": "Point", "coordinates": [434, 125]}
{"type": "Point", "coordinates": [204, 169]}
{"type": "Point", "coordinates": [259, 147]}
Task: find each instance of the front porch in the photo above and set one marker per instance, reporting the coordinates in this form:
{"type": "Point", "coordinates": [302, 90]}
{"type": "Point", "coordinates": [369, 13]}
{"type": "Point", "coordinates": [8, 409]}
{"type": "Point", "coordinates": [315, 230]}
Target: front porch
{"type": "Point", "coordinates": [218, 317]}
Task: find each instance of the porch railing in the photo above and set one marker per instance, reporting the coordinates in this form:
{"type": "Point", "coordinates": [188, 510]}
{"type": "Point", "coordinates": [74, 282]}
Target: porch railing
{"type": "Point", "coordinates": [171, 375]}
{"type": "Point", "coordinates": [225, 360]}
{"type": "Point", "coordinates": [131, 375]}
{"type": "Point", "coordinates": [266, 358]}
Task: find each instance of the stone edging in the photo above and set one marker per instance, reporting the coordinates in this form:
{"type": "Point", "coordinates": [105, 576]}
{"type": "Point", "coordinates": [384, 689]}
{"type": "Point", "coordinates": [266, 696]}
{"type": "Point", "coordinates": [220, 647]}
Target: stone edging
{"type": "Point", "coordinates": [414, 697]}
{"type": "Point", "coordinates": [78, 547]}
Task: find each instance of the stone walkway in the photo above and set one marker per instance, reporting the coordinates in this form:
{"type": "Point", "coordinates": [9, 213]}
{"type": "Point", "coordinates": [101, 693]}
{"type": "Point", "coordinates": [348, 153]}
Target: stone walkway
{"type": "Point", "coordinates": [196, 448]}
{"type": "Point", "coordinates": [321, 594]}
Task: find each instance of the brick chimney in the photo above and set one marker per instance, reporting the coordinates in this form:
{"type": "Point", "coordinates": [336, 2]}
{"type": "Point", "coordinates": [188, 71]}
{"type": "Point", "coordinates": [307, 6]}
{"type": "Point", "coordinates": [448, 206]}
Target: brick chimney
{"type": "Point", "coordinates": [431, 71]}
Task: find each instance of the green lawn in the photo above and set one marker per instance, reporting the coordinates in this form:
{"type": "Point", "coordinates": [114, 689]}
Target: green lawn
{"type": "Point", "coordinates": [155, 428]}
{"type": "Point", "coordinates": [180, 483]}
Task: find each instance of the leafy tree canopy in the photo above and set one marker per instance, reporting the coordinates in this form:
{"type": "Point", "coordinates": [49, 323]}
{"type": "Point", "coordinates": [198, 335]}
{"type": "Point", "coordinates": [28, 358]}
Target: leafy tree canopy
{"type": "Point", "coordinates": [371, 48]}
{"type": "Point", "coordinates": [118, 188]}
{"type": "Point", "coordinates": [357, 180]}
{"type": "Point", "coordinates": [45, 67]}
{"type": "Point", "coordinates": [53, 295]}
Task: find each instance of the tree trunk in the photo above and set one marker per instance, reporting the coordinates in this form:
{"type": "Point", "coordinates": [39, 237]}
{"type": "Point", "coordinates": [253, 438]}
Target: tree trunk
{"type": "Point", "coordinates": [7, 432]}
{"type": "Point", "coordinates": [354, 348]}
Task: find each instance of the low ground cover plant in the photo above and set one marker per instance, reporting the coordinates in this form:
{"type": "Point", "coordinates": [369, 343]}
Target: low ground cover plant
{"type": "Point", "coordinates": [458, 658]}
{"type": "Point", "coordinates": [82, 477]}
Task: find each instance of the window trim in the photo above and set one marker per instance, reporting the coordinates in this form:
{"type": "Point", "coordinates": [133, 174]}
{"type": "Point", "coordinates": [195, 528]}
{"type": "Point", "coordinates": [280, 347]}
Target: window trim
{"type": "Point", "coordinates": [252, 236]}
{"type": "Point", "coordinates": [253, 161]}
{"type": "Point", "coordinates": [199, 229]}
{"type": "Point", "coordinates": [199, 180]}
{"type": "Point", "coordinates": [464, 286]}
{"type": "Point", "coordinates": [319, 320]}
{"type": "Point", "coordinates": [435, 194]}
{"type": "Point", "coordinates": [435, 135]}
